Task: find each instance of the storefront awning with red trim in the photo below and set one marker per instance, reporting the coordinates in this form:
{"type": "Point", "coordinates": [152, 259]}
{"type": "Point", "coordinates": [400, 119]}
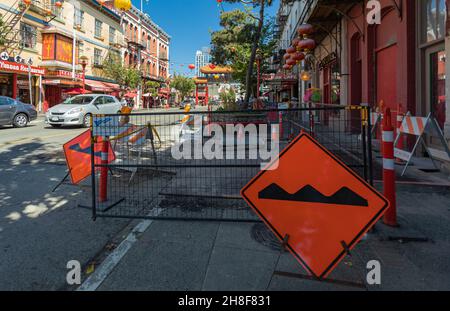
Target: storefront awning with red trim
{"type": "Point", "coordinates": [76, 91]}
{"type": "Point", "coordinates": [97, 86]}
{"type": "Point", "coordinates": [130, 95]}
{"type": "Point", "coordinates": [113, 86]}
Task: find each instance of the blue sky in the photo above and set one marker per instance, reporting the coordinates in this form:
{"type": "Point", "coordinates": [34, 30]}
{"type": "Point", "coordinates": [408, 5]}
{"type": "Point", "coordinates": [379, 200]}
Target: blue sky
{"type": "Point", "coordinates": [189, 23]}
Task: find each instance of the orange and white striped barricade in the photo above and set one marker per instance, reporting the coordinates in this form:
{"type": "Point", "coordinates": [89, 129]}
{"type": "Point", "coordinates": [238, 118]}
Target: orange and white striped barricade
{"type": "Point", "coordinates": [418, 126]}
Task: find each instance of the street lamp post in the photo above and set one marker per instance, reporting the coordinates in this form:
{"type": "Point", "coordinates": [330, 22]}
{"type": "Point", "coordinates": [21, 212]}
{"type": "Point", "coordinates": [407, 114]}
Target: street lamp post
{"type": "Point", "coordinates": [83, 63]}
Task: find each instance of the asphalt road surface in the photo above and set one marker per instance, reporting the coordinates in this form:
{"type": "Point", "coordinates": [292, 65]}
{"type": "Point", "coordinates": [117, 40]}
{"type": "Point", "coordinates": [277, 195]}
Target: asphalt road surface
{"type": "Point", "coordinates": [41, 231]}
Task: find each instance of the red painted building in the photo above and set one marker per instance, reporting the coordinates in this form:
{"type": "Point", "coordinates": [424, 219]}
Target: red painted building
{"type": "Point", "coordinates": [399, 63]}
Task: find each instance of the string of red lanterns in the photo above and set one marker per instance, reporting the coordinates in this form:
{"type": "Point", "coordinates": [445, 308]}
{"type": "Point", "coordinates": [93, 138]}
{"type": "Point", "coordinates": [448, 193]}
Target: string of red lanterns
{"type": "Point", "coordinates": [301, 46]}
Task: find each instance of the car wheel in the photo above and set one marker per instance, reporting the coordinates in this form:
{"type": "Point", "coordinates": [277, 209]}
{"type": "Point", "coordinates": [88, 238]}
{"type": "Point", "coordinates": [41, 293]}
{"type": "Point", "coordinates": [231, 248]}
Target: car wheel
{"type": "Point", "coordinates": [56, 125]}
{"type": "Point", "coordinates": [20, 120]}
{"type": "Point", "coordinates": [87, 120]}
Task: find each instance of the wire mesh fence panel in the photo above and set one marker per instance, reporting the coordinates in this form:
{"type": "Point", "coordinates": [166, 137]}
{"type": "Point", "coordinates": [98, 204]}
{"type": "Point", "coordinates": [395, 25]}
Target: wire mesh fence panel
{"type": "Point", "coordinates": [192, 166]}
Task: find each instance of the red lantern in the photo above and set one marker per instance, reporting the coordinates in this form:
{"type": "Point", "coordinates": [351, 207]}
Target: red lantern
{"type": "Point", "coordinates": [212, 66]}
{"type": "Point", "coordinates": [291, 62]}
{"type": "Point", "coordinates": [306, 45]}
{"type": "Point", "coordinates": [291, 50]}
{"type": "Point", "coordinates": [298, 57]}
{"type": "Point", "coordinates": [305, 30]}
{"type": "Point", "coordinates": [295, 42]}
{"type": "Point", "coordinates": [286, 56]}
{"type": "Point", "coordinates": [192, 66]}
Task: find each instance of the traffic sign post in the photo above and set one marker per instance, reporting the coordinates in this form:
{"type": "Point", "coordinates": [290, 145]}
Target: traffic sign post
{"type": "Point", "coordinates": [315, 204]}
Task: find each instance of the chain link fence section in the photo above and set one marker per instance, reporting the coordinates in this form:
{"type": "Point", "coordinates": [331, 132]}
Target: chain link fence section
{"type": "Point", "coordinates": [192, 166]}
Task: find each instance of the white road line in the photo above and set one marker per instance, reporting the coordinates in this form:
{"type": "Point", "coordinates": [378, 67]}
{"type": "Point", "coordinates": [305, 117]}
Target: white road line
{"type": "Point", "coordinates": [113, 259]}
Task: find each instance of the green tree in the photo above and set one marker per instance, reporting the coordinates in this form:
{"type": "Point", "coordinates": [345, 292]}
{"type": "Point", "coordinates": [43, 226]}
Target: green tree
{"type": "Point", "coordinates": [126, 77]}
{"type": "Point", "coordinates": [228, 99]}
{"type": "Point", "coordinates": [233, 45]}
{"type": "Point", "coordinates": [183, 85]}
{"type": "Point", "coordinates": [2, 31]}
{"type": "Point", "coordinates": [255, 37]}
{"type": "Point", "coordinates": [152, 88]}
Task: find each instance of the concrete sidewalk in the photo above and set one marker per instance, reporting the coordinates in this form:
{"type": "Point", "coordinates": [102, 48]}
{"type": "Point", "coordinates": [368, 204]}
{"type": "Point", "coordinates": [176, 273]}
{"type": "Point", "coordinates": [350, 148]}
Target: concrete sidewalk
{"type": "Point", "coordinates": [173, 255]}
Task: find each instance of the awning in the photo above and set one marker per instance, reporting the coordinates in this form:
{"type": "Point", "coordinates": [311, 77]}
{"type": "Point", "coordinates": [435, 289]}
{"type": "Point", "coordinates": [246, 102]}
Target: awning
{"type": "Point", "coordinates": [97, 86]}
{"type": "Point", "coordinates": [113, 86]}
{"type": "Point", "coordinates": [76, 91]}
{"type": "Point", "coordinates": [130, 95]}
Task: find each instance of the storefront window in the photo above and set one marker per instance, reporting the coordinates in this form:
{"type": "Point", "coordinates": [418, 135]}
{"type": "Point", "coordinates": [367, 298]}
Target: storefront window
{"type": "Point", "coordinates": [6, 85]}
{"type": "Point", "coordinates": [335, 84]}
{"type": "Point", "coordinates": [434, 20]}
{"type": "Point", "coordinates": [28, 36]}
{"type": "Point", "coordinates": [438, 86]}
{"type": "Point", "coordinates": [23, 87]}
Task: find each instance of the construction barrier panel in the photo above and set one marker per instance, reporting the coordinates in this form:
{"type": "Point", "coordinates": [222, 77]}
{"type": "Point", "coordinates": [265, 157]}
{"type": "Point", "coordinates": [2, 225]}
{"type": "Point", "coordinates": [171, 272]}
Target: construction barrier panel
{"type": "Point", "coordinates": [418, 127]}
{"type": "Point", "coordinates": [192, 165]}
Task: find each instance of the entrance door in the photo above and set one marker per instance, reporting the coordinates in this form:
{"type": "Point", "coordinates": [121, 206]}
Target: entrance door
{"type": "Point", "coordinates": [435, 59]}
{"type": "Point", "coordinates": [387, 78]}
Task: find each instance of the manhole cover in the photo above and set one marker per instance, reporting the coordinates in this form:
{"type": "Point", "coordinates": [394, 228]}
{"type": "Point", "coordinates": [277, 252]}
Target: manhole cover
{"type": "Point", "coordinates": [264, 236]}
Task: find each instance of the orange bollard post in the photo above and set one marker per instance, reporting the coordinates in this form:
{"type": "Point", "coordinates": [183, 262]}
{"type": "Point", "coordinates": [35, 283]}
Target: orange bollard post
{"type": "Point", "coordinates": [390, 218]}
{"type": "Point", "coordinates": [104, 171]}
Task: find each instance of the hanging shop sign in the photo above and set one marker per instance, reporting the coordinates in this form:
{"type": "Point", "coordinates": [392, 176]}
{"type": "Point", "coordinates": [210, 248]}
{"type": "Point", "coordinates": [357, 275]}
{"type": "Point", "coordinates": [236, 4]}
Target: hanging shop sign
{"type": "Point", "coordinates": [63, 74]}
{"type": "Point", "coordinates": [328, 60]}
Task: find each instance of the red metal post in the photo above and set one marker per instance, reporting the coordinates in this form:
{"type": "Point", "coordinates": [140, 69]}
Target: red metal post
{"type": "Point", "coordinates": [104, 171]}
{"type": "Point", "coordinates": [84, 77]}
{"type": "Point", "coordinates": [390, 218]}
{"type": "Point", "coordinates": [196, 94]}
{"type": "Point", "coordinates": [207, 95]}
{"type": "Point", "coordinates": [14, 86]}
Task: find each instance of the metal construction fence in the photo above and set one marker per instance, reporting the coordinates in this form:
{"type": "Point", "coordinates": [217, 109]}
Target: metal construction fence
{"type": "Point", "coordinates": [192, 165]}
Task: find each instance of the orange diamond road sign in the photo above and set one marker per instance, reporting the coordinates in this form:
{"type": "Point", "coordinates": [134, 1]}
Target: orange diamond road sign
{"type": "Point", "coordinates": [314, 203]}
{"type": "Point", "coordinates": [78, 156]}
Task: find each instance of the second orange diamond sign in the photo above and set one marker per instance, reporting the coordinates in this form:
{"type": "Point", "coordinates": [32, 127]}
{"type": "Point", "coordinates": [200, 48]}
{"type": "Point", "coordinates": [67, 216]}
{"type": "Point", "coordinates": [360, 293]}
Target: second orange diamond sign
{"type": "Point", "coordinates": [315, 201]}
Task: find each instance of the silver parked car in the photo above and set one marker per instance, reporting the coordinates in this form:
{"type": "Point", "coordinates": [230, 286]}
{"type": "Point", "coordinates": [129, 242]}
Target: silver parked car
{"type": "Point", "coordinates": [77, 110]}
{"type": "Point", "coordinates": [16, 113]}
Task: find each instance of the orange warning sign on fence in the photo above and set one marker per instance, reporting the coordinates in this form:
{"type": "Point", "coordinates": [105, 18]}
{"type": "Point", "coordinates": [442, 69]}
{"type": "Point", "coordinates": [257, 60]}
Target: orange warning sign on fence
{"type": "Point", "coordinates": [78, 156]}
{"type": "Point", "coordinates": [314, 203]}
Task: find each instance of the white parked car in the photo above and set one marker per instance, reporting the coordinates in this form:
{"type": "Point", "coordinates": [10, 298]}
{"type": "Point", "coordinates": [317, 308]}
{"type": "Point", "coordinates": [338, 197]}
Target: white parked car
{"type": "Point", "coordinates": [77, 110]}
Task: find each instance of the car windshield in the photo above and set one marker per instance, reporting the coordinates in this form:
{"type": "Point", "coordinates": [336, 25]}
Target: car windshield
{"type": "Point", "coordinates": [78, 100]}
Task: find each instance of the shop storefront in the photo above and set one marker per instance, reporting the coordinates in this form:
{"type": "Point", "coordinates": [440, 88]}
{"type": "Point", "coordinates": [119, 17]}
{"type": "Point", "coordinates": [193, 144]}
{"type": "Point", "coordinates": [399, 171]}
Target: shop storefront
{"type": "Point", "coordinates": [56, 84]}
{"type": "Point", "coordinates": [21, 81]}
{"type": "Point", "coordinates": [282, 87]}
